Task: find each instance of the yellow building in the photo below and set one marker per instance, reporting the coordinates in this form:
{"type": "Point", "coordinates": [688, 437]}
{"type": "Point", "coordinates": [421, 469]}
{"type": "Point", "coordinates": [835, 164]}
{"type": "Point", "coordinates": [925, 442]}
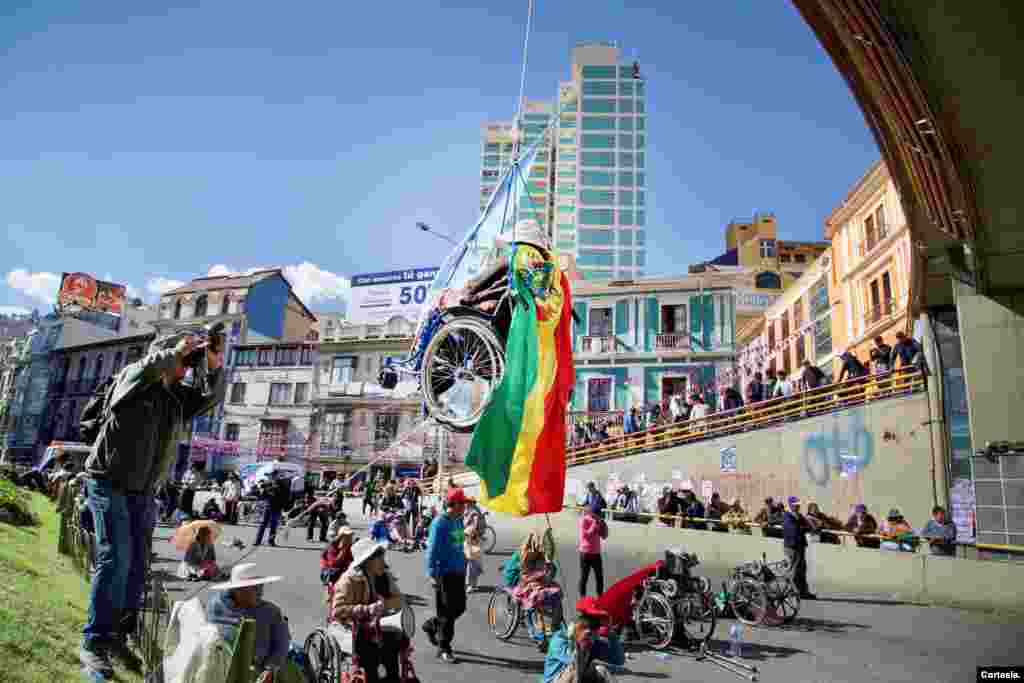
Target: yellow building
{"type": "Point", "coordinates": [871, 245]}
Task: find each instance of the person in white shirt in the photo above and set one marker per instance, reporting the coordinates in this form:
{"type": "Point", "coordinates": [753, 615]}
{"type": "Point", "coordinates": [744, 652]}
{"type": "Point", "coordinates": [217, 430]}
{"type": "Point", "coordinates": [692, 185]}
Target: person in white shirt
{"type": "Point", "coordinates": [232, 494]}
{"type": "Point", "coordinates": [298, 487]}
{"type": "Point", "coordinates": [698, 409]}
{"type": "Point", "coordinates": [675, 407]}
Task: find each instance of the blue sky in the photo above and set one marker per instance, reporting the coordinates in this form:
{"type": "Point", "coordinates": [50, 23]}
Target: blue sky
{"type": "Point", "coordinates": [149, 142]}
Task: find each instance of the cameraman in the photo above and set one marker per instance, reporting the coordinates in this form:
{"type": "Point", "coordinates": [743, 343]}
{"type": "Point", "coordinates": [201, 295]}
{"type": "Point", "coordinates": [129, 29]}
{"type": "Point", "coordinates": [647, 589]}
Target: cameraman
{"type": "Point", "coordinates": [137, 443]}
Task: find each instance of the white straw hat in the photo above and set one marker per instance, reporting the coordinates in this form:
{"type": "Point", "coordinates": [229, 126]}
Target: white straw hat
{"type": "Point", "coordinates": [244, 576]}
{"type": "Point", "coordinates": [364, 549]}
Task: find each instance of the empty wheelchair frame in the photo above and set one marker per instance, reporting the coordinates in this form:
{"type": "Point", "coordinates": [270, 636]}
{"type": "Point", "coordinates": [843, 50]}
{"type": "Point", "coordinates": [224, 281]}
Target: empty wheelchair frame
{"type": "Point", "coordinates": [330, 656]}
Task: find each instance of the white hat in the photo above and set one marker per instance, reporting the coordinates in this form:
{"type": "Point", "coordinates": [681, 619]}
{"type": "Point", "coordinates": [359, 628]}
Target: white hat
{"type": "Point", "coordinates": [243, 576]}
{"type": "Point", "coordinates": [530, 232]}
{"type": "Point", "coordinates": [364, 549]}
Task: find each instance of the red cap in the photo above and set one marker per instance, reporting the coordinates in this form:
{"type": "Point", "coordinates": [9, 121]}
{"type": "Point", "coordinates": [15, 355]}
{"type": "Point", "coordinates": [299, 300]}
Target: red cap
{"type": "Point", "coordinates": [590, 607]}
{"type": "Point", "coordinates": [456, 496]}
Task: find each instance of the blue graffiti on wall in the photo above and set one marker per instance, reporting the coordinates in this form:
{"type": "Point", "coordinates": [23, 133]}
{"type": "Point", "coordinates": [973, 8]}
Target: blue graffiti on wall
{"type": "Point", "coordinates": [847, 447]}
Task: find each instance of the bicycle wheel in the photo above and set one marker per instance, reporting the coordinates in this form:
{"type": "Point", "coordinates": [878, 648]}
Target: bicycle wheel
{"type": "Point", "coordinates": [503, 615]}
{"type": "Point", "coordinates": [324, 657]}
{"type": "Point", "coordinates": [698, 617]}
{"type": "Point", "coordinates": [749, 602]}
{"type": "Point", "coordinates": [654, 620]}
{"type": "Point", "coordinates": [489, 540]}
{"type": "Point", "coordinates": [462, 366]}
{"type": "Point", "coordinates": [783, 599]}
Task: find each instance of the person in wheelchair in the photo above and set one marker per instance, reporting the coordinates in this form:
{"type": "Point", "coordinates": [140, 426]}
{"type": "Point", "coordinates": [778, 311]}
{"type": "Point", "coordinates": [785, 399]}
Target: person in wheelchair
{"type": "Point", "coordinates": [579, 653]}
{"type": "Point", "coordinates": [242, 598]}
{"type": "Point", "coordinates": [532, 583]}
{"type": "Point", "coordinates": [364, 594]}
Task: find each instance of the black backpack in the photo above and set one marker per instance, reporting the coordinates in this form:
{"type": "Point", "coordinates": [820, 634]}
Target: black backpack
{"type": "Point", "coordinates": [95, 411]}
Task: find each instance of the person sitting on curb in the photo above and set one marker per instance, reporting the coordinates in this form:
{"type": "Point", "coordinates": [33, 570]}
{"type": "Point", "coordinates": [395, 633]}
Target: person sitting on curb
{"type": "Point", "coordinates": [821, 524]}
{"type": "Point", "coordinates": [242, 598]}
{"type": "Point", "coordinates": [896, 533]}
{"type": "Point", "coordinates": [577, 653]}
{"type": "Point", "coordinates": [940, 533]}
{"type": "Point", "coordinates": [366, 592]}
{"type": "Point", "coordinates": [862, 525]}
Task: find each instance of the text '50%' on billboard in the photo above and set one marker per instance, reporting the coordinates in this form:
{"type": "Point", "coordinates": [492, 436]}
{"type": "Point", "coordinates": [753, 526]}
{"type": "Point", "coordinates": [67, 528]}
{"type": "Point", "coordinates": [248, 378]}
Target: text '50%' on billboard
{"type": "Point", "coordinates": [83, 292]}
{"type": "Point", "coordinates": [376, 298]}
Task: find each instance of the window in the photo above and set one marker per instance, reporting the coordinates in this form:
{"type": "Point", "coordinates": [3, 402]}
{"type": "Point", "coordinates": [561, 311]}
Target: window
{"type": "Point", "coordinates": [801, 349]}
{"type": "Point", "coordinates": [177, 309]}
{"type": "Point", "coordinates": [231, 432]}
{"type": "Point", "coordinates": [591, 106]}
{"type": "Point", "coordinates": [264, 356]}
{"type": "Point", "coordinates": [768, 280]}
{"type": "Point", "coordinates": [823, 337]}
{"type": "Point", "coordinates": [598, 178]}
{"type": "Point", "coordinates": [343, 370]}
{"type": "Point", "coordinates": [626, 198]}
{"type": "Point", "coordinates": [798, 314]}
{"type": "Point", "coordinates": [201, 304]}
{"type": "Point", "coordinates": [238, 392]}
{"type": "Point", "coordinates": [600, 88]}
{"type": "Point", "coordinates": [673, 319]}
{"type": "Point", "coordinates": [625, 238]}
{"type": "Point", "coordinates": [280, 393]}
{"type": "Point", "coordinates": [819, 298]}
{"type": "Point", "coordinates": [286, 356]}
{"type": "Point", "coordinates": [597, 238]}
{"type": "Point", "coordinates": [597, 216]}
{"type": "Point", "coordinates": [599, 394]}
{"type": "Point", "coordinates": [767, 248]}
{"type": "Point", "coordinates": [627, 179]}
{"type": "Point", "coordinates": [302, 392]}
{"type": "Point", "coordinates": [607, 72]}
{"type": "Point", "coordinates": [592, 141]}
{"type": "Point", "coordinates": [337, 430]}
{"type": "Point", "coordinates": [785, 325]}
{"type": "Point", "coordinates": [800, 258]}
{"type": "Point", "coordinates": [491, 162]}
{"type": "Point", "coordinates": [592, 258]}
{"type": "Point", "coordinates": [598, 158]}
{"type": "Point", "coordinates": [625, 258]}
{"type": "Point", "coordinates": [597, 197]}
{"type": "Point", "coordinates": [225, 304]}
{"type": "Point", "coordinates": [626, 88]}
{"type": "Point", "coordinates": [273, 437]}
{"type": "Point", "coordinates": [627, 106]}
{"type": "Point", "coordinates": [886, 287]}
{"type": "Point", "coordinates": [386, 429]}
{"type": "Point", "coordinates": [627, 123]}
{"type": "Point", "coordinates": [600, 322]}
{"type": "Point", "coordinates": [627, 159]}
{"type": "Point", "coordinates": [245, 357]}
{"type": "Point", "coordinates": [627, 217]}
{"type": "Point", "coordinates": [880, 225]}
{"type": "Point", "coordinates": [626, 141]}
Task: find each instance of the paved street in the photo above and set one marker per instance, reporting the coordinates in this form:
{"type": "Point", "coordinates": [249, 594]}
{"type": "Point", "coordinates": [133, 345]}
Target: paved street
{"type": "Point", "coordinates": [839, 638]}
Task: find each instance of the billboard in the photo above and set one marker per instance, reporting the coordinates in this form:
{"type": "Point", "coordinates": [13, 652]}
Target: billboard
{"type": "Point", "coordinates": [378, 297]}
{"type": "Point", "coordinates": [82, 292]}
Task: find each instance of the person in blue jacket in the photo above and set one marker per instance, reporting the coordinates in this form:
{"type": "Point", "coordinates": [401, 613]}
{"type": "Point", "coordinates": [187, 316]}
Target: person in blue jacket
{"type": "Point", "coordinates": [446, 568]}
{"type": "Point", "coordinates": [584, 646]}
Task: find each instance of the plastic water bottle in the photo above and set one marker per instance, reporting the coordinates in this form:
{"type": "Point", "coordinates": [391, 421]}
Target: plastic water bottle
{"type": "Point", "coordinates": [736, 641]}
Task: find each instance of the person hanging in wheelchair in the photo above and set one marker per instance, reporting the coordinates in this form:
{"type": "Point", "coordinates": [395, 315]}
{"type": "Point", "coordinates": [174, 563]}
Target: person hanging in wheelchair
{"type": "Point", "coordinates": [365, 594]}
{"type": "Point", "coordinates": [581, 652]}
{"type": "Point", "coordinates": [531, 579]}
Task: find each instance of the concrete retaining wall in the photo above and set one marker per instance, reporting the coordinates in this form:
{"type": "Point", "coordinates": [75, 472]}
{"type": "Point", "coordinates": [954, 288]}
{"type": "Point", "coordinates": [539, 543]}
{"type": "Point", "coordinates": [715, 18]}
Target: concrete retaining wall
{"type": "Point", "coordinates": [879, 454]}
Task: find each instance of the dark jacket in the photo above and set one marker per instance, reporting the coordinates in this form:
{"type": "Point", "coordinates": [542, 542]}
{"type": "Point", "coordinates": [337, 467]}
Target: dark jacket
{"type": "Point", "coordinates": [755, 392]}
{"type": "Point", "coordinates": [811, 377]}
{"type": "Point", "coordinates": [794, 530]}
{"type": "Point", "coordinates": [882, 358]}
{"type": "Point", "coordinates": [281, 495]}
{"type": "Point", "coordinates": [906, 351]}
{"type": "Point", "coordinates": [852, 367]}
{"type": "Point", "coordinates": [138, 440]}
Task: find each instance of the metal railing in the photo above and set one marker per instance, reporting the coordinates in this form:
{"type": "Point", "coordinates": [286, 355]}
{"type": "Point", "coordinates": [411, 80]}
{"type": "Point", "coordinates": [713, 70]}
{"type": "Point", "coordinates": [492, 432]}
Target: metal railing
{"type": "Point", "coordinates": [672, 342]}
{"type": "Point", "coordinates": [755, 416]}
{"type": "Point", "coordinates": [597, 344]}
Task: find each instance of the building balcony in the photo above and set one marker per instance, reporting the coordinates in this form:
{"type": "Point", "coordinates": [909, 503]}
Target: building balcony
{"type": "Point", "coordinates": [873, 240]}
{"type": "Point", "coordinates": [597, 345]}
{"type": "Point", "coordinates": [672, 343]}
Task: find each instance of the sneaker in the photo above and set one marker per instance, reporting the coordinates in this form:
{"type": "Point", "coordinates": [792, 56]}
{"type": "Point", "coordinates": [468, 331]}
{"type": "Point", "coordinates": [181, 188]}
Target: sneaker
{"type": "Point", "coordinates": [120, 650]}
{"type": "Point", "coordinates": [96, 662]}
{"type": "Point", "coordinates": [448, 657]}
{"type": "Point", "coordinates": [272, 544]}
{"type": "Point", "coordinates": [430, 628]}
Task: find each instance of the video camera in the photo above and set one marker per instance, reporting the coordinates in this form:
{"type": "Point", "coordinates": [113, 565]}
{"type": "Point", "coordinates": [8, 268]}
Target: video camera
{"type": "Point", "coordinates": [211, 338]}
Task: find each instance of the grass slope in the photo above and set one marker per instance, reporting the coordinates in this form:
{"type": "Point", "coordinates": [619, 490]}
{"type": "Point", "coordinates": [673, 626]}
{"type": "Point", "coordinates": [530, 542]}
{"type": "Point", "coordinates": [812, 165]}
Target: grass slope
{"type": "Point", "coordinates": [43, 604]}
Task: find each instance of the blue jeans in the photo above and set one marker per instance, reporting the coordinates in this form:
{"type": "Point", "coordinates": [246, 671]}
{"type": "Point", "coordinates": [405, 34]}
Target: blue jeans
{"type": "Point", "coordinates": [272, 518]}
{"type": "Point", "coordinates": [124, 527]}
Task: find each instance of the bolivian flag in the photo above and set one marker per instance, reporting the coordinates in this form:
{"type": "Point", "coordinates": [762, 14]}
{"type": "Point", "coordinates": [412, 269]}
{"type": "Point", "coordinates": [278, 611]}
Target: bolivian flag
{"type": "Point", "coordinates": [518, 447]}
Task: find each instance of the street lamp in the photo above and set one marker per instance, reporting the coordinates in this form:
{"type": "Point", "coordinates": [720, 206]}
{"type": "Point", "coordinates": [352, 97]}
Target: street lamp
{"type": "Point", "coordinates": [426, 228]}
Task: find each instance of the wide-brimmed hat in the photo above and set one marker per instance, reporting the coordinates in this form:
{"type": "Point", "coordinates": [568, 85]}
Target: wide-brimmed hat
{"type": "Point", "coordinates": [339, 533]}
{"type": "Point", "coordinates": [244, 576]}
{"type": "Point", "coordinates": [588, 606]}
{"type": "Point", "coordinates": [364, 549]}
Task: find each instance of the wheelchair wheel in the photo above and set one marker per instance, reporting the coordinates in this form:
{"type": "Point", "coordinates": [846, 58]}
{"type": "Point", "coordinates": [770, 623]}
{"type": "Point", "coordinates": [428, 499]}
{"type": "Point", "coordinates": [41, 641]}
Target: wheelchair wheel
{"type": "Point", "coordinates": [408, 621]}
{"type": "Point", "coordinates": [462, 366]}
{"type": "Point", "coordinates": [783, 600]}
{"type": "Point", "coordinates": [698, 618]}
{"type": "Point", "coordinates": [749, 602]}
{"type": "Point", "coordinates": [325, 658]}
{"type": "Point", "coordinates": [655, 621]}
{"type": "Point", "coordinates": [503, 614]}
{"type": "Point", "coordinates": [489, 540]}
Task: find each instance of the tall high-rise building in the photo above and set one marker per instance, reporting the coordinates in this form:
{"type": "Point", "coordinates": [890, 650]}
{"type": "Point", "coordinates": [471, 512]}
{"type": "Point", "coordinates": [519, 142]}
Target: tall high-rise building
{"type": "Point", "coordinates": [592, 178]}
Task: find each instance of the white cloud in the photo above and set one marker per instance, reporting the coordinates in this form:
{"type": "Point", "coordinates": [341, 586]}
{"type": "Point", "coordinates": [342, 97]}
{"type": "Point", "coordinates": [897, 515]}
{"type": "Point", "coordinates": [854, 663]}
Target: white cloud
{"type": "Point", "coordinates": [39, 286]}
{"type": "Point", "coordinates": [132, 292]}
{"type": "Point", "coordinates": [158, 285]}
{"type": "Point", "coordinates": [311, 283]}
{"type": "Point", "coordinates": [14, 310]}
